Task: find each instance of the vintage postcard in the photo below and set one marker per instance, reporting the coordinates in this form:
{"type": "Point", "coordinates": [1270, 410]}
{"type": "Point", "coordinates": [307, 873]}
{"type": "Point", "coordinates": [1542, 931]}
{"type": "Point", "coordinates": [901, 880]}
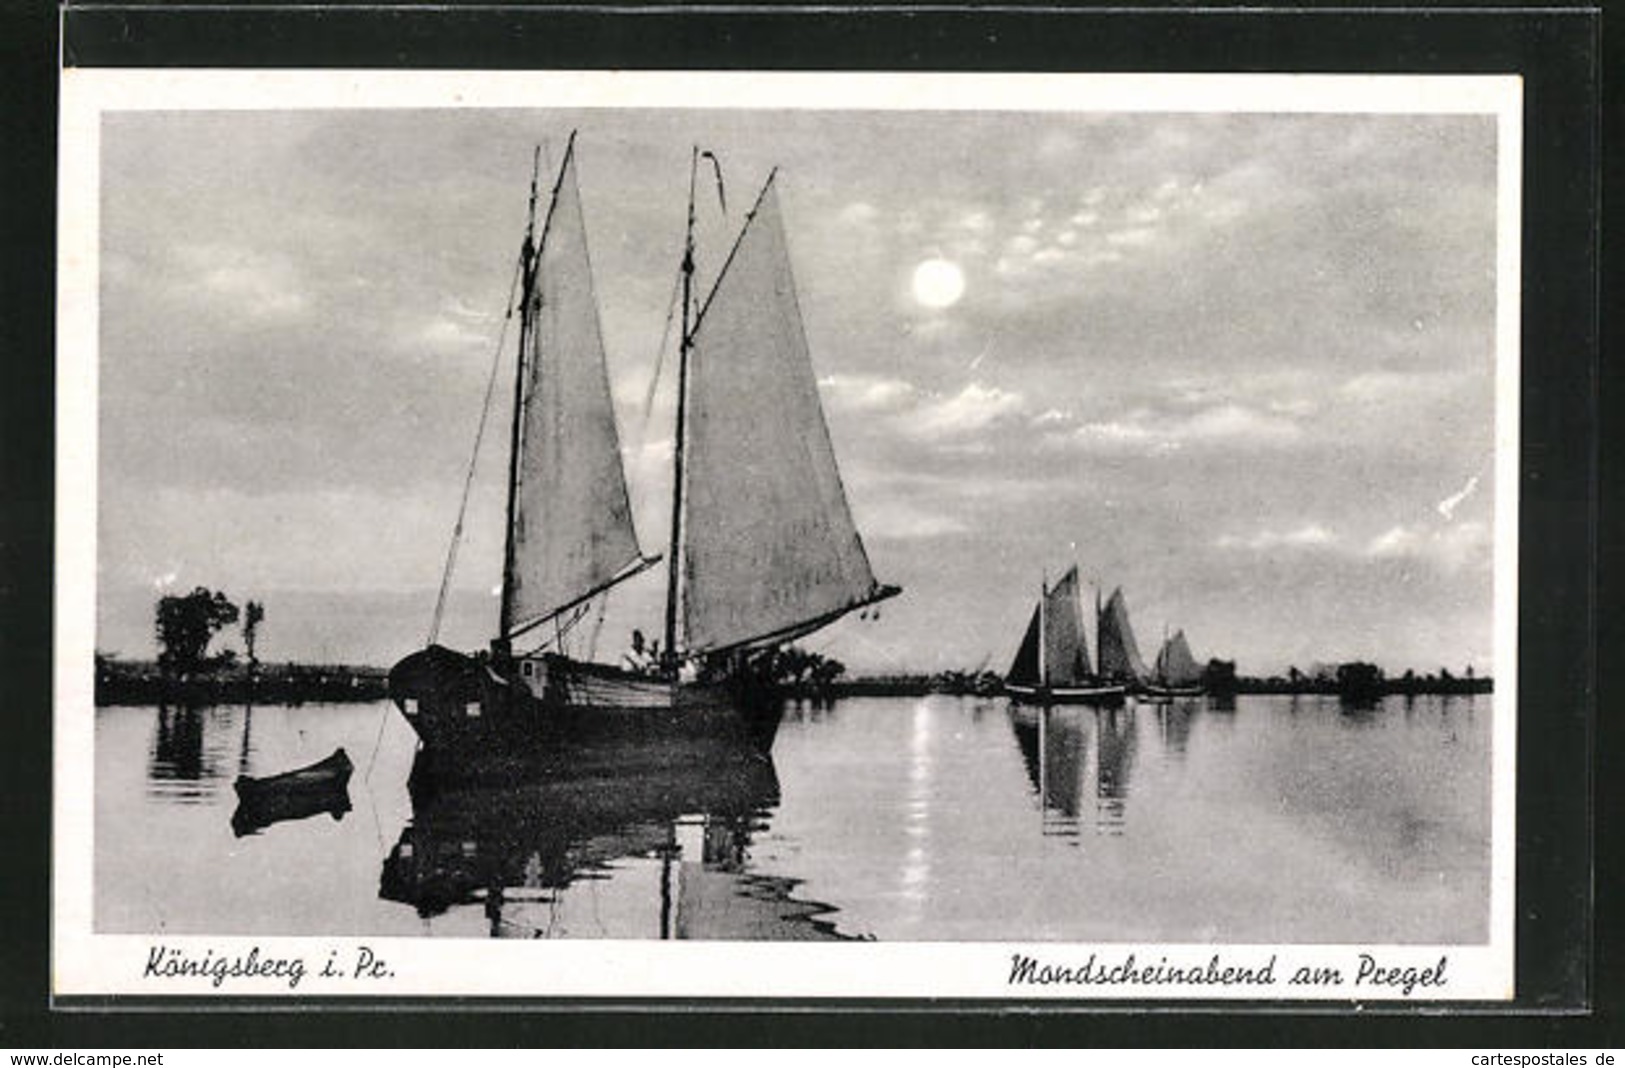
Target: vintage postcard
{"type": "Point", "coordinates": [786, 536]}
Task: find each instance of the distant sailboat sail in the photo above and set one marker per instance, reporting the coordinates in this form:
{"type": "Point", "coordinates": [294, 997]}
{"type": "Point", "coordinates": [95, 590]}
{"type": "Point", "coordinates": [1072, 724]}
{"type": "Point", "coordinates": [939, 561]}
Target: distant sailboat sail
{"type": "Point", "coordinates": [1024, 668]}
{"type": "Point", "coordinates": [572, 531]}
{"type": "Point", "coordinates": [770, 551]}
{"type": "Point", "coordinates": [1066, 660]}
{"type": "Point", "coordinates": [1052, 663]}
{"type": "Point", "coordinates": [1119, 653]}
{"type": "Point", "coordinates": [1175, 664]}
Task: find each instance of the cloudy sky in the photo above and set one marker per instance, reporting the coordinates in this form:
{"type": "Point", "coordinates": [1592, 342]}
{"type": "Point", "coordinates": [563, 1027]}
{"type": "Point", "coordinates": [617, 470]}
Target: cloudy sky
{"type": "Point", "coordinates": [1240, 365]}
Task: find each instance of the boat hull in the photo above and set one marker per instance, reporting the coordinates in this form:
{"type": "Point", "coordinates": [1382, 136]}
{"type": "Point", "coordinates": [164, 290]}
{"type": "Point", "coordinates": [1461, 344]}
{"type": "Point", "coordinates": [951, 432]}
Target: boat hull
{"type": "Point", "coordinates": [1098, 694]}
{"type": "Point", "coordinates": [293, 795]}
{"type": "Point", "coordinates": [1150, 692]}
{"type": "Point", "coordinates": [477, 722]}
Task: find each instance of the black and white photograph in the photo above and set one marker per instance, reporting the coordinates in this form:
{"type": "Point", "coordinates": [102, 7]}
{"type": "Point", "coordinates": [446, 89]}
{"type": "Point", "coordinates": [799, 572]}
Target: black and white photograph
{"type": "Point", "coordinates": [787, 535]}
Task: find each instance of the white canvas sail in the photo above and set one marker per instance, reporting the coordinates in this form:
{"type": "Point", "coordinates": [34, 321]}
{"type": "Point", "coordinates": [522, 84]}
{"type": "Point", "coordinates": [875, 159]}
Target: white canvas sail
{"type": "Point", "coordinates": [1175, 664]}
{"type": "Point", "coordinates": [770, 548]}
{"type": "Point", "coordinates": [1119, 652]}
{"type": "Point", "coordinates": [572, 523]}
{"type": "Point", "coordinates": [1066, 661]}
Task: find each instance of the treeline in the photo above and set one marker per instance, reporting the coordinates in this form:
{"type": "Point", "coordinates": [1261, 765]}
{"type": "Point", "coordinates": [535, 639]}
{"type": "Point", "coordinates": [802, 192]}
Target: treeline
{"type": "Point", "coordinates": [1361, 679]}
{"type": "Point", "coordinates": [142, 682]}
{"type": "Point", "coordinates": [984, 683]}
{"type": "Point", "coordinates": [1355, 679]}
{"type": "Point", "coordinates": [187, 672]}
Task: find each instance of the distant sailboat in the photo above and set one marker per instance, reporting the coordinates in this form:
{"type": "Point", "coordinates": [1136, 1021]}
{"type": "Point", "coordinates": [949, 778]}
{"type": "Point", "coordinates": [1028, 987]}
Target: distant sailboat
{"type": "Point", "coordinates": [1176, 672]}
{"type": "Point", "coordinates": [763, 546]}
{"type": "Point", "coordinates": [1116, 649]}
{"type": "Point", "coordinates": [1052, 664]}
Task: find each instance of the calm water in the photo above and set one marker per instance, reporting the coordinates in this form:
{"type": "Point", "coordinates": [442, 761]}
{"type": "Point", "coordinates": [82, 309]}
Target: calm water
{"type": "Point", "coordinates": [1281, 820]}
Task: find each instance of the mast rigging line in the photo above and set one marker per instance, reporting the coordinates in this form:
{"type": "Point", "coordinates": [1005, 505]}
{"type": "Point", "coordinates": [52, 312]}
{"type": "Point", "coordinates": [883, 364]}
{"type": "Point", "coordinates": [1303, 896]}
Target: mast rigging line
{"type": "Point", "coordinates": [660, 359]}
{"type": "Point", "coordinates": [474, 459]}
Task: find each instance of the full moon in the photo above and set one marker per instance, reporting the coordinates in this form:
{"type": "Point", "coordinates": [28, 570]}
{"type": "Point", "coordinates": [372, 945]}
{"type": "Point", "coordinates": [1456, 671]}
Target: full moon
{"type": "Point", "coordinates": [938, 283]}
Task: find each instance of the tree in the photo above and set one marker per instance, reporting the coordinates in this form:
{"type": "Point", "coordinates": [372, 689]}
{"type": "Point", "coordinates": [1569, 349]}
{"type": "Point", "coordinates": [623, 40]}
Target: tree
{"type": "Point", "coordinates": [1359, 679]}
{"type": "Point", "coordinates": [185, 626]}
{"type": "Point", "coordinates": [1219, 676]}
{"type": "Point", "coordinates": [253, 616]}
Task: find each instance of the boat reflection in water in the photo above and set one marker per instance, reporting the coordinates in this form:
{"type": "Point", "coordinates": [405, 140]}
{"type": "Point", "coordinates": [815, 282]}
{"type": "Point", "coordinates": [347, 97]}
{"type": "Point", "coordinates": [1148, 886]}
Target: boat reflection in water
{"type": "Point", "coordinates": [1055, 745]}
{"type": "Point", "coordinates": [514, 848]}
{"type": "Point", "coordinates": [1114, 763]}
{"type": "Point", "coordinates": [1174, 724]}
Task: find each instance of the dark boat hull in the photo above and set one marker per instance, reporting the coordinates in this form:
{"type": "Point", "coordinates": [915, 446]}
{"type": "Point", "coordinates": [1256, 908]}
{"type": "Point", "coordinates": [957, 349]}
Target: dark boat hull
{"type": "Point", "coordinates": [477, 722]}
{"type": "Point", "coordinates": [1152, 692]}
{"type": "Point", "coordinates": [1096, 694]}
{"type": "Point", "coordinates": [322, 787]}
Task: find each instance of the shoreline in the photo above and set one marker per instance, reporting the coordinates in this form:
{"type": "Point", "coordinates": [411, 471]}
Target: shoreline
{"type": "Point", "coordinates": [139, 683]}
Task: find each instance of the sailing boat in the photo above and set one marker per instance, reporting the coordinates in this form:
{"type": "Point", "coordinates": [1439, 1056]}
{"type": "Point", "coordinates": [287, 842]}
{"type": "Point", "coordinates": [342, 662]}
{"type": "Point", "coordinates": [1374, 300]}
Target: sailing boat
{"type": "Point", "coordinates": [763, 547]}
{"type": "Point", "coordinates": [1176, 672]}
{"type": "Point", "coordinates": [1116, 650]}
{"type": "Point", "coordinates": [1052, 663]}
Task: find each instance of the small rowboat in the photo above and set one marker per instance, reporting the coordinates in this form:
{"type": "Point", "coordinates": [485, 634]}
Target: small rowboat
{"type": "Point", "coordinates": [293, 795]}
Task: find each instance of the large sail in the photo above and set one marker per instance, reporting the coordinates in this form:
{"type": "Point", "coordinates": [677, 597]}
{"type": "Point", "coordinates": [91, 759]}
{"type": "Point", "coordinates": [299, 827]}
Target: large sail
{"type": "Point", "coordinates": [1024, 668]}
{"type": "Point", "coordinates": [1175, 664]}
{"type": "Point", "coordinates": [770, 549]}
{"type": "Point", "coordinates": [1119, 653]}
{"type": "Point", "coordinates": [1066, 659]}
{"type": "Point", "coordinates": [572, 532]}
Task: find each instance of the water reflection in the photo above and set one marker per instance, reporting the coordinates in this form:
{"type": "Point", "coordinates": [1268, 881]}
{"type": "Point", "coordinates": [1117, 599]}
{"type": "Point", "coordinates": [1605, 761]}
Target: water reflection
{"type": "Point", "coordinates": [1055, 747]}
{"type": "Point", "coordinates": [1357, 710]}
{"type": "Point", "coordinates": [1064, 741]}
{"type": "Point", "coordinates": [900, 819]}
{"type": "Point", "coordinates": [1114, 763]}
{"type": "Point", "coordinates": [515, 849]}
{"type": "Point", "coordinates": [1174, 725]}
{"type": "Point", "coordinates": [184, 760]}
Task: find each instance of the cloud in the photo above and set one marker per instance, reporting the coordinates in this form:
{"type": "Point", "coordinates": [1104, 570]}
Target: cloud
{"type": "Point", "coordinates": [976, 221]}
{"type": "Point", "coordinates": [1454, 547]}
{"type": "Point", "coordinates": [1114, 431]}
{"type": "Point", "coordinates": [1385, 386]}
{"type": "Point", "coordinates": [443, 333]}
{"type": "Point", "coordinates": [859, 213]}
{"type": "Point", "coordinates": [1309, 536]}
{"type": "Point", "coordinates": [1234, 422]}
{"type": "Point", "coordinates": [868, 393]}
{"type": "Point", "coordinates": [1449, 547]}
{"type": "Point", "coordinates": [1222, 424]}
{"type": "Point", "coordinates": [899, 520]}
{"type": "Point", "coordinates": [249, 282]}
{"type": "Point", "coordinates": [1135, 236]}
{"type": "Point", "coordinates": [973, 408]}
{"type": "Point", "coordinates": [1395, 541]}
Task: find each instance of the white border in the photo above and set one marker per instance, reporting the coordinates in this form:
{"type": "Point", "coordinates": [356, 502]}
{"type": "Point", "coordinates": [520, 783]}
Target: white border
{"type": "Point", "coordinates": [85, 963]}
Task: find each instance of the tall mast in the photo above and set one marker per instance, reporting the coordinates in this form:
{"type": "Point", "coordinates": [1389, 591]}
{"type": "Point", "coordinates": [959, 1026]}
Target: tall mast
{"type": "Point", "coordinates": [527, 257]}
{"type": "Point", "coordinates": [684, 342]}
{"type": "Point", "coordinates": [1043, 627]}
{"type": "Point", "coordinates": [1100, 665]}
